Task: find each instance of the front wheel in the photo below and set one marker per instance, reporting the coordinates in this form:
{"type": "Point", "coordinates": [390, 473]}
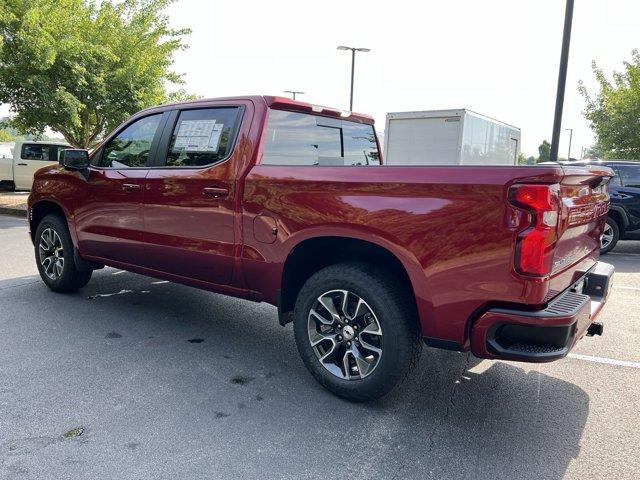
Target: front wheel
{"type": "Point", "coordinates": [610, 236]}
{"type": "Point", "coordinates": [356, 330]}
{"type": "Point", "coordinates": [54, 256]}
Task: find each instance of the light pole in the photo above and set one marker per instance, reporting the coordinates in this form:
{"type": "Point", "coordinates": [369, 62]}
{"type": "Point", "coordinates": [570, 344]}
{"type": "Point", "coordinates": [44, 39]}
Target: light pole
{"type": "Point", "coordinates": [353, 65]}
{"type": "Point", "coordinates": [562, 80]}
{"type": "Point", "coordinates": [570, 140]}
{"type": "Point", "coordinates": [294, 92]}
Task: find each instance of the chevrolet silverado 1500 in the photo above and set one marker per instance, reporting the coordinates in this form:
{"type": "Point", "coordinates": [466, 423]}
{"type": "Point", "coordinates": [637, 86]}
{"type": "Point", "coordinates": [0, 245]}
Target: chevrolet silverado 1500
{"type": "Point", "coordinates": [289, 203]}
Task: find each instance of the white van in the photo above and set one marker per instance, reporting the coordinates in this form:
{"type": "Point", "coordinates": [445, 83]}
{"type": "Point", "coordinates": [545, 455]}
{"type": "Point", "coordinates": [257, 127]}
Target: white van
{"type": "Point", "coordinates": [17, 167]}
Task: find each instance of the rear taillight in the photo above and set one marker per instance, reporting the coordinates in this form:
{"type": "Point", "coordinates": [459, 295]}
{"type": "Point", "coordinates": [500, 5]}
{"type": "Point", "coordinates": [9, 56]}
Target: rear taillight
{"type": "Point", "coordinates": [535, 244]}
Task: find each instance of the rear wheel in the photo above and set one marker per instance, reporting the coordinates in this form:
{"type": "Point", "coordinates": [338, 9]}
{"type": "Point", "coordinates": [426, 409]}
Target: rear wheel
{"type": "Point", "coordinates": [610, 236]}
{"type": "Point", "coordinates": [356, 330]}
{"type": "Point", "coordinates": [54, 256]}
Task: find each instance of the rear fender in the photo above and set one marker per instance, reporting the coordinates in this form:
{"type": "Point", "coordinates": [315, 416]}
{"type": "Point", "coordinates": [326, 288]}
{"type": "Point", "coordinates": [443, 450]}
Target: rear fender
{"type": "Point", "coordinates": [408, 261]}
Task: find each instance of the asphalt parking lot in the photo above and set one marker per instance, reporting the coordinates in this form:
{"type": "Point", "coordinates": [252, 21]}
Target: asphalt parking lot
{"type": "Point", "coordinates": [151, 380]}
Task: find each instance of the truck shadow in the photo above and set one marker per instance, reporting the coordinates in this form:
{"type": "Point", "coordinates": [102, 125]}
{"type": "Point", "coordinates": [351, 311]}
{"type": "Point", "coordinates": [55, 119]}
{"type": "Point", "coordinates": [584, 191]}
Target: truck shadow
{"type": "Point", "coordinates": [487, 419]}
{"type": "Point", "coordinates": [225, 366]}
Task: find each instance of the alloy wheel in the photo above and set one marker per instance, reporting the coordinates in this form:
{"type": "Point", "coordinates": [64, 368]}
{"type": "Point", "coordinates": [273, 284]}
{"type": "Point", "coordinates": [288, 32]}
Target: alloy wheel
{"type": "Point", "coordinates": [51, 253]}
{"type": "Point", "coordinates": [607, 236]}
{"type": "Point", "coordinates": [345, 334]}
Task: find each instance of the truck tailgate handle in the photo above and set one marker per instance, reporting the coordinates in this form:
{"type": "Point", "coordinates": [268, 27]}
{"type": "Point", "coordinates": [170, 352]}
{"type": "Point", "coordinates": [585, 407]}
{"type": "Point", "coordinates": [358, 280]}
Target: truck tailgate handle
{"type": "Point", "coordinates": [215, 192]}
{"type": "Point", "coordinates": [130, 187]}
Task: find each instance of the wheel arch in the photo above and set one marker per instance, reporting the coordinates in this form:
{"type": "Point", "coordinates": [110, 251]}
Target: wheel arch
{"type": "Point", "coordinates": [41, 209]}
{"type": "Point", "coordinates": [312, 254]}
{"type": "Point", "coordinates": [618, 215]}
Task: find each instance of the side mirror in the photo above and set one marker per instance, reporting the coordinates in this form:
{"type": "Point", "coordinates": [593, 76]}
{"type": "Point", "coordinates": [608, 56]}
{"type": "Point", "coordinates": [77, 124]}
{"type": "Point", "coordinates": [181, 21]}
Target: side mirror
{"type": "Point", "coordinates": [74, 159]}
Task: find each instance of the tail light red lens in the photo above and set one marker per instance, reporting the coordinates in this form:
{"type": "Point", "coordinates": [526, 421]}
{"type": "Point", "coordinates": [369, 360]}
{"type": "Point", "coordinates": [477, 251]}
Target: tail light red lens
{"type": "Point", "coordinates": [535, 244]}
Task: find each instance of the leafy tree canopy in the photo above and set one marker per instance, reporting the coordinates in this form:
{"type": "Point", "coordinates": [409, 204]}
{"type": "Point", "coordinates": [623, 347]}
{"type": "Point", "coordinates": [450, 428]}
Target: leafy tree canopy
{"type": "Point", "coordinates": [5, 136]}
{"type": "Point", "coordinates": [593, 152]}
{"type": "Point", "coordinates": [614, 111]}
{"type": "Point", "coordinates": [544, 151]}
{"type": "Point", "coordinates": [81, 67]}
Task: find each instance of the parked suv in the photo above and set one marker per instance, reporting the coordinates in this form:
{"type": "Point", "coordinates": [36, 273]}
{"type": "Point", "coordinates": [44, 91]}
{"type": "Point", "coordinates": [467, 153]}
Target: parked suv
{"type": "Point", "coordinates": [284, 202]}
{"type": "Point", "coordinates": [624, 189]}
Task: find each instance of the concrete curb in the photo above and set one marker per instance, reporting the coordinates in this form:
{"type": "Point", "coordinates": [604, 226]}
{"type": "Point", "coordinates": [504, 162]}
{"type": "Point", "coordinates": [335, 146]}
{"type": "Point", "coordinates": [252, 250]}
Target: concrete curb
{"type": "Point", "coordinates": [16, 212]}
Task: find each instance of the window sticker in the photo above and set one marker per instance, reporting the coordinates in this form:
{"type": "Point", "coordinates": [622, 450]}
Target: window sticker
{"type": "Point", "coordinates": [198, 136]}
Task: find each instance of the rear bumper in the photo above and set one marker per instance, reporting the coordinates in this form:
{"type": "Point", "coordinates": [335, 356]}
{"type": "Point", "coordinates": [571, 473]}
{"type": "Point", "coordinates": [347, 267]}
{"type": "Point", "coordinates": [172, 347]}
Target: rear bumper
{"type": "Point", "coordinates": [549, 334]}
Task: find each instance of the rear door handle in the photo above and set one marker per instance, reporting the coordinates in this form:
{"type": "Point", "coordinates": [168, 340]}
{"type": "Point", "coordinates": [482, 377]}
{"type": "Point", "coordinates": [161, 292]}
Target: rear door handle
{"type": "Point", "coordinates": [21, 164]}
{"type": "Point", "coordinates": [215, 192]}
{"type": "Point", "coordinates": [130, 187]}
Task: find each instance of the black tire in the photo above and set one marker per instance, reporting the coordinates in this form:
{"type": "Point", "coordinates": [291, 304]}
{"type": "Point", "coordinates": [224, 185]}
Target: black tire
{"type": "Point", "coordinates": [395, 312]}
{"type": "Point", "coordinates": [10, 186]}
{"type": "Point", "coordinates": [615, 230]}
{"type": "Point", "coordinates": [70, 279]}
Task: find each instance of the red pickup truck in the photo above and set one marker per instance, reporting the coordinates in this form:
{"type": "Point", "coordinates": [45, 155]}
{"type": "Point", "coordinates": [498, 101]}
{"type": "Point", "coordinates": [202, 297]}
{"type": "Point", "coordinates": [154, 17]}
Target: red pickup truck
{"type": "Point", "coordinates": [289, 203]}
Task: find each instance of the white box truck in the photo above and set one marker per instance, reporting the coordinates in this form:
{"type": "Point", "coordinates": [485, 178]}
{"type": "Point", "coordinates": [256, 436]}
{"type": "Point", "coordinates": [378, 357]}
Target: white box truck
{"type": "Point", "coordinates": [449, 137]}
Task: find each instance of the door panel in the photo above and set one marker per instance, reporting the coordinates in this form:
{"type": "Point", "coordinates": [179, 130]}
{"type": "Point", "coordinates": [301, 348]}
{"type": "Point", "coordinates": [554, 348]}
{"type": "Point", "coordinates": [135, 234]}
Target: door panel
{"type": "Point", "coordinates": [109, 225]}
{"type": "Point", "coordinates": [188, 231]}
{"type": "Point", "coordinates": [30, 159]}
{"type": "Point", "coordinates": [190, 199]}
{"type": "Point", "coordinates": [627, 193]}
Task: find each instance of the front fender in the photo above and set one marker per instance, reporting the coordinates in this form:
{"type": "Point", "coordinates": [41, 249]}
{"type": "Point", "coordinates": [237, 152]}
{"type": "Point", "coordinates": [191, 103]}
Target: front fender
{"type": "Point", "coordinates": [58, 189]}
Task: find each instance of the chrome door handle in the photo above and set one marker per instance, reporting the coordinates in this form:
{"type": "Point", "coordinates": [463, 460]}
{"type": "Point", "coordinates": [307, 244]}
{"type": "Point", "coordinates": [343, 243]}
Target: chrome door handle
{"type": "Point", "coordinates": [215, 192]}
{"type": "Point", "coordinates": [130, 187]}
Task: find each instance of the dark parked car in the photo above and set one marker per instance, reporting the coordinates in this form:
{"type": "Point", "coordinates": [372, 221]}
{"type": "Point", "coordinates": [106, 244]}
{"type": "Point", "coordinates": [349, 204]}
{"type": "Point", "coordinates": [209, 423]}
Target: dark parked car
{"type": "Point", "coordinates": [624, 189]}
{"type": "Point", "coordinates": [289, 203]}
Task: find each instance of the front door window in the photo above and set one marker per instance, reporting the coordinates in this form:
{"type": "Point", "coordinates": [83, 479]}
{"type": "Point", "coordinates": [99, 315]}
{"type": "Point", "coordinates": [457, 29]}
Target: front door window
{"type": "Point", "coordinates": [131, 147]}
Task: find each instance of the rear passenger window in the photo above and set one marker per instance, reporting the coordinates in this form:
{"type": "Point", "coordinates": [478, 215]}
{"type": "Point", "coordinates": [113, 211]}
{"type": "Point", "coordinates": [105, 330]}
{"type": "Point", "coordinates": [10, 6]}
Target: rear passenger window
{"type": "Point", "coordinates": [203, 137]}
{"type": "Point", "coordinates": [36, 152]}
{"type": "Point", "coordinates": [301, 139]}
{"type": "Point", "coordinates": [630, 175]}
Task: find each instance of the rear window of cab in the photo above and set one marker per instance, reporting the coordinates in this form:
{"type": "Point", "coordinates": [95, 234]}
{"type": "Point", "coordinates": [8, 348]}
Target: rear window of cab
{"type": "Point", "coordinates": [300, 139]}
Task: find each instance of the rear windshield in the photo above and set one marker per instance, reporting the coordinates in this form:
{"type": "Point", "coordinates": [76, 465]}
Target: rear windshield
{"type": "Point", "coordinates": [306, 140]}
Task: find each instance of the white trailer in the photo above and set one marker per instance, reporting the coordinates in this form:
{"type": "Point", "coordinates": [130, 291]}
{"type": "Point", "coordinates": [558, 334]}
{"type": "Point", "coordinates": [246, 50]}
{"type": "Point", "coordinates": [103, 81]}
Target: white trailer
{"type": "Point", "coordinates": [449, 137]}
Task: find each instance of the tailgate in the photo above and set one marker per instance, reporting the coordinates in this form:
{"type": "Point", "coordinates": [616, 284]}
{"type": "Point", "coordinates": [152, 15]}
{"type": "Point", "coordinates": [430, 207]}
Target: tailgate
{"type": "Point", "coordinates": [584, 202]}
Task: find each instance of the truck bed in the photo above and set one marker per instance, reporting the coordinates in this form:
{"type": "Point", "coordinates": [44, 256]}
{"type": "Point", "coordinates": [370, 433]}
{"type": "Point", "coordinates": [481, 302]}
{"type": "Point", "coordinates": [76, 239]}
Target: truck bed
{"type": "Point", "coordinates": [451, 227]}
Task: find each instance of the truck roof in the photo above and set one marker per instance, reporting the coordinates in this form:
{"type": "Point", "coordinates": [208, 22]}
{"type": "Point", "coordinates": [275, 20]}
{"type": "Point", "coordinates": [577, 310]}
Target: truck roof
{"type": "Point", "coordinates": [452, 112]}
{"type": "Point", "coordinates": [282, 103]}
{"type": "Point", "coordinates": [61, 143]}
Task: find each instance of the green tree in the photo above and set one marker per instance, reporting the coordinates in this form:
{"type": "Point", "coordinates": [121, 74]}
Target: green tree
{"type": "Point", "coordinates": [6, 126]}
{"type": "Point", "coordinates": [544, 151]}
{"type": "Point", "coordinates": [5, 136]}
{"type": "Point", "coordinates": [614, 111]}
{"type": "Point", "coordinates": [522, 159]}
{"type": "Point", "coordinates": [81, 67]}
{"type": "Point", "coordinates": [594, 151]}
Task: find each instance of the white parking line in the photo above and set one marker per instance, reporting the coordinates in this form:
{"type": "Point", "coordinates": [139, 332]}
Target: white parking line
{"type": "Point", "coordinates": [627, 288]}
{"type": "Point", "coordinates": [608, 361]}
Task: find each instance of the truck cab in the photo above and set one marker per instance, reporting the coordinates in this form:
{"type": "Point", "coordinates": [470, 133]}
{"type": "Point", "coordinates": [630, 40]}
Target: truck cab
{"type": "Point", "coordinates": [18, 168]}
